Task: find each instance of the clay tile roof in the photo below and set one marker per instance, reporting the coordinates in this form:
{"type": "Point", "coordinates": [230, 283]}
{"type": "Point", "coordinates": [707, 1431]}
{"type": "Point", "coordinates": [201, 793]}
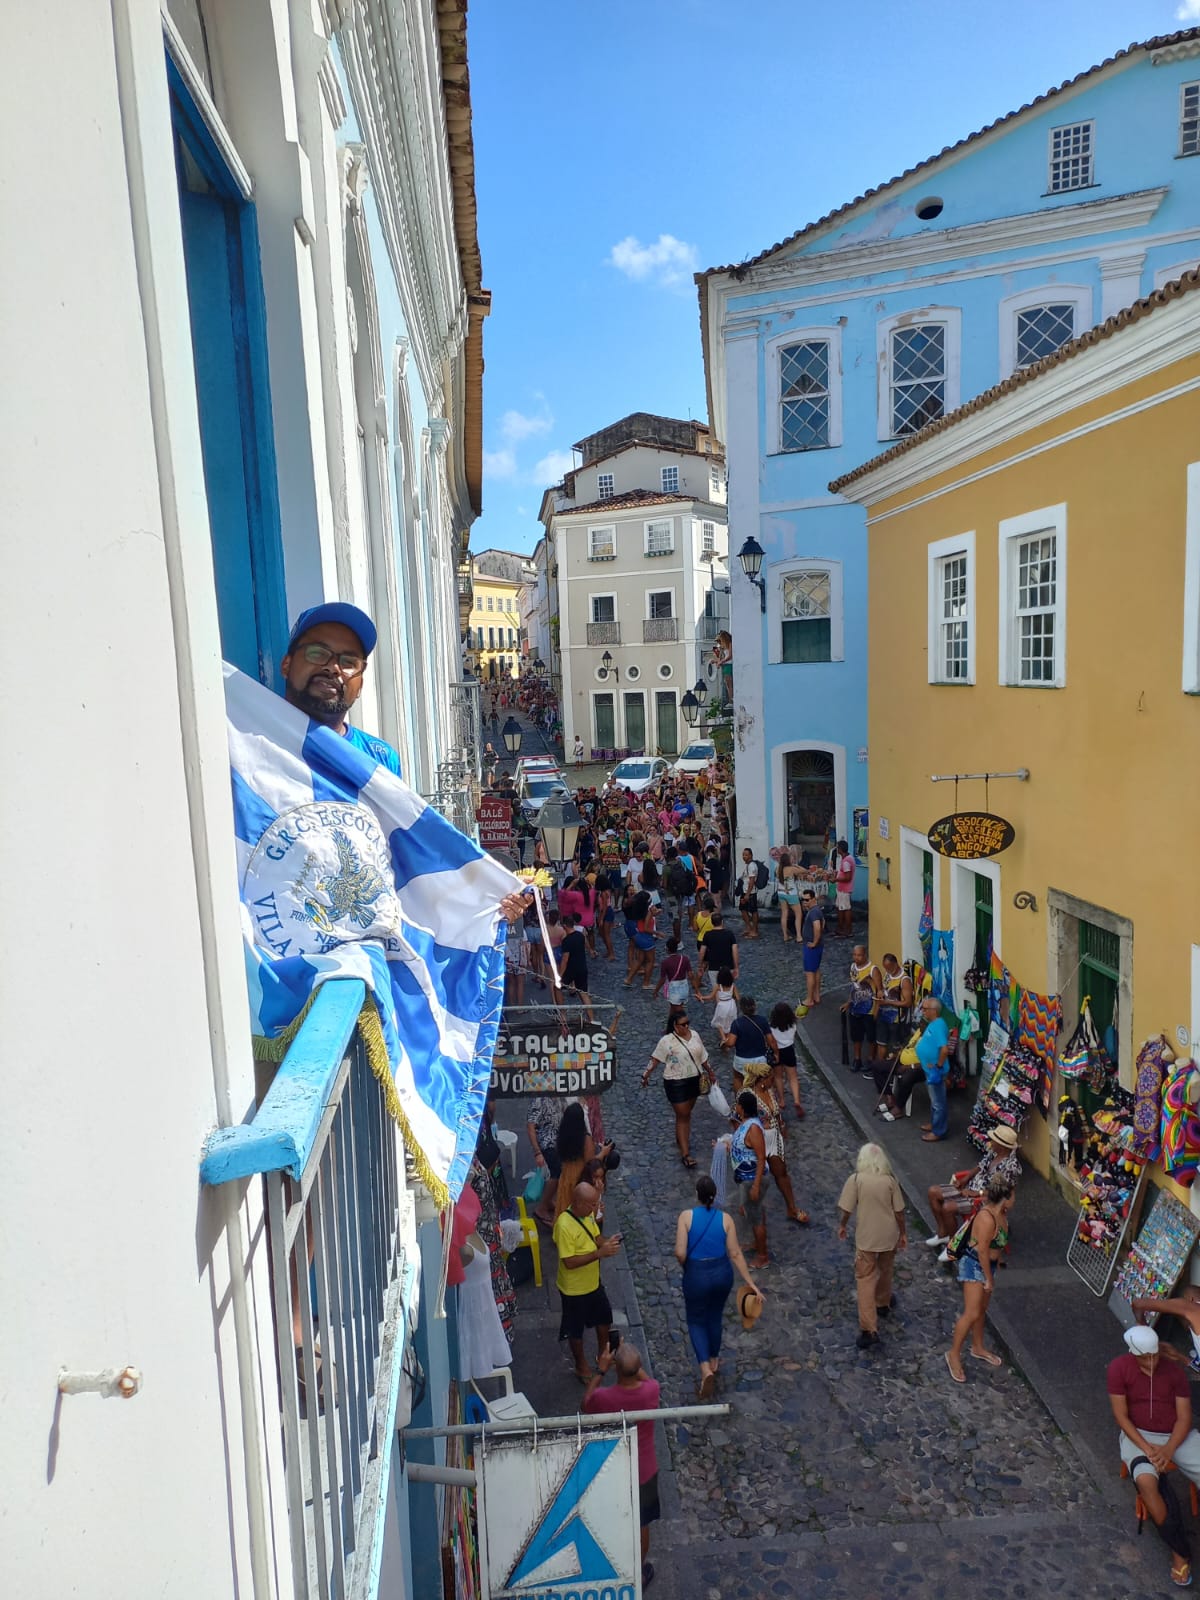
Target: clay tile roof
{"type": "Point", "coordinates": [1161, 42]}
{"type": "Point", "coordinates": [1104, 330]}
{"type": "Point", "coordinates": [634, 497]}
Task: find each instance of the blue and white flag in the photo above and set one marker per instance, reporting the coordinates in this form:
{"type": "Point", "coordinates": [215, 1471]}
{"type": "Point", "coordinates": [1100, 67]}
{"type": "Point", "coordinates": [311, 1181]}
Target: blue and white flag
{"type": "Point", "coordinates": [345, 872]}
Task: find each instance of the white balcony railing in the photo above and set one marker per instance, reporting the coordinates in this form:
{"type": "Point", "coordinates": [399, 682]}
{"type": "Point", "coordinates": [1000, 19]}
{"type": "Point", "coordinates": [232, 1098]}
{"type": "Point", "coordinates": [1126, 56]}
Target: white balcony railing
{"type": "Point", "coordinates": [341, 1283]}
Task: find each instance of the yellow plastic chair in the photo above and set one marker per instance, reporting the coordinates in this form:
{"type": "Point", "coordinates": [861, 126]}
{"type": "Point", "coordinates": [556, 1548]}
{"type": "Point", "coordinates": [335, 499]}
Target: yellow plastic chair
{"type": "Point", "coordinates": [529, 1236]}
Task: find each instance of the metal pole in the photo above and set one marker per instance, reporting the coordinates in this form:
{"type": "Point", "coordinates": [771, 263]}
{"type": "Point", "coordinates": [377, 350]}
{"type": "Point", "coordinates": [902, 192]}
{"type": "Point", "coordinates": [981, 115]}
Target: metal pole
{"type": "Point", "coordinates": [528, 1424]}
{"type": "Point", "coordinates": [426, 1472]}
{"type": "Point", "coordinates": [1021, 774]}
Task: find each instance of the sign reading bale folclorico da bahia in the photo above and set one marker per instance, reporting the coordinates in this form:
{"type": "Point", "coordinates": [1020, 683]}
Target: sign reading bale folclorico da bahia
{"type": "Point", "coordinates": [540, 1061]}
{"type": "Point", "coordinates": [971, 835]}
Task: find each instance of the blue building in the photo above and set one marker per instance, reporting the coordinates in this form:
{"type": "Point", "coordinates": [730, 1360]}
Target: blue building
{"type": "Point", "coordinates": [878, 319]}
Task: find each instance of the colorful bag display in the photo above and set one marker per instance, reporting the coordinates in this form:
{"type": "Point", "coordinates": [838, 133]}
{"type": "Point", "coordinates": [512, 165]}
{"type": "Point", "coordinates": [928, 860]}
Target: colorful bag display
{"type": "Point", "coordinates": [1180, 1125]}
{"type": "Point", "coordinates": [1153, 1061]}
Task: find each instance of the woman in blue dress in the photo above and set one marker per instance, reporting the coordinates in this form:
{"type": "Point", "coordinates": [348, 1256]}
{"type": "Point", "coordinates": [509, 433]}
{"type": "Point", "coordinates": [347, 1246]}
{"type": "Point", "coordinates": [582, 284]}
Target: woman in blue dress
{"type": "Point", "coordinates": [707, 1248]}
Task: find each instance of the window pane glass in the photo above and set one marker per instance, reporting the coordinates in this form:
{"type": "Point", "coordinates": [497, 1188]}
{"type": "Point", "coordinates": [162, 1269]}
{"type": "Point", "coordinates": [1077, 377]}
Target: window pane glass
{"type": "Point", "coordinates": [806, 641]}
{"type": "Point", "coordinates": [1189, 126]}
{"type": "Point", "coordinates": [918, 376]}
{"type": "Point", "coordinates": [804, 395]}
{"type": "Point", "coordinates": [805, 595]}
{"type": "Point", "coordinates": [662, 603]}
{"type": "Point", "coordinates": [1071, 157]}
{"type": "Point", "coordinates": [1042, 330]}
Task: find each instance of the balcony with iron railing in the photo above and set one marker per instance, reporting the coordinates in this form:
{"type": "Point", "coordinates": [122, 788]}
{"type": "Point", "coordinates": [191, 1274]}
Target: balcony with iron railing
{"type": "Point", "coordinates": [341, 1238]}
{"type": "Point", "coordinates": [604, 633]}
{"type": "Point", "coordinates": [660, 630]}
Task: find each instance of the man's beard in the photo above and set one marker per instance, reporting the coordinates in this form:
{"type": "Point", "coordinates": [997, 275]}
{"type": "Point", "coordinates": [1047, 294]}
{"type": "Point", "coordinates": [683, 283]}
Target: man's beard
{"type": "Point", "coordinates": [330, 712]}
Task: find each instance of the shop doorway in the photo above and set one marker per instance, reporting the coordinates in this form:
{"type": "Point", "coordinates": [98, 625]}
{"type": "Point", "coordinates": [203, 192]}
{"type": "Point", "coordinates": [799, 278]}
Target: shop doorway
{"type": "Point", "coordinates": [229, 352]}
{"type": "Point", "coordinates": [604, 712]}
{"type": "Point", "coordinates": [920, 888]}
{"type": "Point", "coordinates": [635, 723]}
{"type": "Point", "coordinates": [668, 722]}
{"type": "Point", "coordinates": [811, 804]}
{"type": "Point", "coordinates": [1092, 952]}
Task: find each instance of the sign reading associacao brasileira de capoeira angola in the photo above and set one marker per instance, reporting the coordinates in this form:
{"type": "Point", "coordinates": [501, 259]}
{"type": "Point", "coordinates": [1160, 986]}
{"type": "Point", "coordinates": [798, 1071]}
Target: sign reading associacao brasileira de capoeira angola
{"type": "Point", "coordinates": [541, 1061]}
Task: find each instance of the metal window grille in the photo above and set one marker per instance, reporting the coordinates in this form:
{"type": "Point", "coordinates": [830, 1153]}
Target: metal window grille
{"type": "Point", "coordinates": [1189, 120]}
{"type": "Point", "coordinates": [806, 617]}
{"type": "Point", "coordinates": [670, 480]}
{"type": "Point", "coordinates": [602, 544]}
{"type": "Point", "coordinates": [604, 485]}
{"type": "Point", "coordinates": [708, 538]}
{"type": "Point", "coordinates": [1041, 330]}
{"type": "Point", "coordinates": [953, 620]}
{"type": "Point", "coordinates": [660, 538]}
{"type": "Point", "coordinates": [662, 603]}
{"type": "Point", "coordinates": [804, 395]}
{"type": "Point", "coordinates": [1071, 157]}
{"type": "Point", "coordinates": [604, 608]}
{"type": "Point", "coordinates": [1037, 586]}
{"type": "Point", "coordinates": [918, 377]}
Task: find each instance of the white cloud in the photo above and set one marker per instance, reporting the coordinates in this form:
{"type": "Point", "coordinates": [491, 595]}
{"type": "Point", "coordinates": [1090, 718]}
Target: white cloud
{"type": "Point", "coordinates": [668, 261]}
{"type": "Point", "coordinates": [516, 425]}
{"type": "Point", "coordinates": [499, 464]}
{"type": "Point", "coordinates": [552, 466]}
{"type": "Point", "coordinates": [1188, 11]}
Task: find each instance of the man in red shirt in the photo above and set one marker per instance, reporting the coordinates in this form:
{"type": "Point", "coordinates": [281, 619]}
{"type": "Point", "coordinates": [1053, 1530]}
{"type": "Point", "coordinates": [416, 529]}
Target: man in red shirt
{"type": "Point", "coordinates": [1152, 1403]}
{"type": "Point", "coordinates": [634, 1390]}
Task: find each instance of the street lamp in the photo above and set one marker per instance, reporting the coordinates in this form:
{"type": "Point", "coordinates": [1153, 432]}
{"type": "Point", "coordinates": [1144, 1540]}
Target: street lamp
{"type": "Point", "coordinates": [751, 556]}
{"type": "Point", "coordinates": [690, 707]}
{"type": "Point", "coordinates": [606, 666]}
{"type": "Point", "coordinates": [559, 823]}
{"type": "Point", "coordinates": [511, 734]}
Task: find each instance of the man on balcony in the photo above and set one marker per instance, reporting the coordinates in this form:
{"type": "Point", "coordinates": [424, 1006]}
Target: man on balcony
{"type": "Point", "coordinates": [324, 668]}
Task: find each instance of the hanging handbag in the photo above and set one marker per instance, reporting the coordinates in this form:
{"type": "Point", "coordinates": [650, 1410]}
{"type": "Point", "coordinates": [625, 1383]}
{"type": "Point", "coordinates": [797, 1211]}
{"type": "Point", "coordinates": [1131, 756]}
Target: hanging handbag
{"type": "Point", "coordinates": [535, 1184]}
{"type": "Point", "coordinates": [1075, 1057]}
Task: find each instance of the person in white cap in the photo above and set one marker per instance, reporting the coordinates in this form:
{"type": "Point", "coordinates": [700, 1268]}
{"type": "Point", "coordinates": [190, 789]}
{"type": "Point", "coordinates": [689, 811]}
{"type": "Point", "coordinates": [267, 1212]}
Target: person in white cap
{"type": "Point", "coordinates": [1152, 1404]}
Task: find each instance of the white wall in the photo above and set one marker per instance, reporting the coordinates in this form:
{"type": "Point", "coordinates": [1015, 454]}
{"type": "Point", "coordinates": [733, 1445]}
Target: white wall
{"type": "Point", "coordinates": [121, 1025]}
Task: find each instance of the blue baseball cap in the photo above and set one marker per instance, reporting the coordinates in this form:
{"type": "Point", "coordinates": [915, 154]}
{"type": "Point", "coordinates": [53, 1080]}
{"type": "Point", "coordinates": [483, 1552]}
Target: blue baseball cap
{"type": "Point", "coordinates": [335, 611]}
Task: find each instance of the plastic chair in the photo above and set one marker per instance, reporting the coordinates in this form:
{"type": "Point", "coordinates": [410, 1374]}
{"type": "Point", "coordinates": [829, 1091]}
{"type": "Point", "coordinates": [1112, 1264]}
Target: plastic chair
{"type": "Point", "coordinates": [507, 1140]}
{"type": "Point", "coordinates": [1140, 1511]}
{"type": "Point", "coordinates": [529, 1236]}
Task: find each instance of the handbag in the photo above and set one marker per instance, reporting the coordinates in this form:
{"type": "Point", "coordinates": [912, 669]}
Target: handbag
{"type": "Point", "coordinates": [535, 1185]}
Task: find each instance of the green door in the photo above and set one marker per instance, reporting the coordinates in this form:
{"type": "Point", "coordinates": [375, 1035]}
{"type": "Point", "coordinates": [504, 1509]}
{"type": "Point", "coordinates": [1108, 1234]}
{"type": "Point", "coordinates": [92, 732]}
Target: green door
{"type": "Point", "coordinates": [635, 722]}
{"type": "Point", "coordinates": [606, 722]}
{"type": "Point", "coordinates": [668, 726]}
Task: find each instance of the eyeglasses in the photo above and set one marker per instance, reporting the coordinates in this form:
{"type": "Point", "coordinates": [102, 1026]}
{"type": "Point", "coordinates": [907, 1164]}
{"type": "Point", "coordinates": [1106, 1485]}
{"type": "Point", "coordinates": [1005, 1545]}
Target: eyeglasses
{"type": "Point", "coordinates": [319, 655]}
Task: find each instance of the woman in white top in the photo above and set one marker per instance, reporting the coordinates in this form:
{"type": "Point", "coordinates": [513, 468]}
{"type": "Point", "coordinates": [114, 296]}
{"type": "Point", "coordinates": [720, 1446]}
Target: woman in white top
{"type": "Point", "coordinates": [684, 1061]}
{"type": "Point", "coordinates": [783, 1031]}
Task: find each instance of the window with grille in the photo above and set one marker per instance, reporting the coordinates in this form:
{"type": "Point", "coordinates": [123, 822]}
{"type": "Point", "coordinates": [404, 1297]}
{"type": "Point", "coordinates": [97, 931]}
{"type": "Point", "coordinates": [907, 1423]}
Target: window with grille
{"type": "Point", "coordinates": [708, 538]}
{"type": "Point", "coordinates": [953, 619]}
{"type": "Point", "coordinates": [918, 377]}
{"type": "Point", "coordinates": [670, 480]}
{"type": "Point", "coordinates": [1041, 330]}
{"type": "Point", "coordinates": [604, 608]}
{"type": "Point", "coordinates": [660, 537]}
{"type": "Point", "coordinates": [1036, 611]}
{"type": "Point", "coordinates": [714, 478]}
{"type": "Point", "coordinates": [491, 602]}
{"type": "Point", "coordinates": [1071, 157]}
{"type": "Point", "coordinates": [602, 544]}
{"type": "Point", "coordinates": [604, 485]}
{"type": "Point", "coordinates": [804, 395]}
{"type": "Point", "coordinates": [661, 603]}
{"type": "Point", "coordinates": [1189, 120]}
{"type": "Point", "coordinates": [806, 617]}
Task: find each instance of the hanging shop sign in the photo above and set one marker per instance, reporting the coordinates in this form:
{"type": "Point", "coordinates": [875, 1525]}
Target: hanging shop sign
{"type": "Point", "coordinates": [495, 822]}
{"type": "Point", "coordinates": [971, 835]}
{"type": "Point", "coordinates": [541, 1061]}
{"type": "Point", "coordinates": [559, 1521]}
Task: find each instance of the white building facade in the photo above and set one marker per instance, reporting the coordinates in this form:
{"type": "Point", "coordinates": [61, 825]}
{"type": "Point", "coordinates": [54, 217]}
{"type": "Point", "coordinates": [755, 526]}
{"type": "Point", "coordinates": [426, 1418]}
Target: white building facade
{"type": "Point", "coordinates": [256, 259]}
{"type": "Point", "coordinates": [638, 535]}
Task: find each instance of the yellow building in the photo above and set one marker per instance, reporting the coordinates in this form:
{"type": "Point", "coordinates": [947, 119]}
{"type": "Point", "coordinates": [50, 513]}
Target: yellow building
{"type": "Point", "coordinates": [1035, 607]}
{"type": "Point", "coordinates": [493, 644]}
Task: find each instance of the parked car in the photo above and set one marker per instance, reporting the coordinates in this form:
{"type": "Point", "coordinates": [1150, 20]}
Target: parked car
{"type": "Point", "coordinates": [537, 786]}
{"type": "Point", "coordinates": [697, 756]}
{"type": "Point", "coordinates": [638, 774]}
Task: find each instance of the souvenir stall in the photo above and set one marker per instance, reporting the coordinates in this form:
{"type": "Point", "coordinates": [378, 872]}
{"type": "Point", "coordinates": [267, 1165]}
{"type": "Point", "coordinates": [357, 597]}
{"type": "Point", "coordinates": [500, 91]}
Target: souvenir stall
{"type": "Point", "coordinates": [1111, 1175]}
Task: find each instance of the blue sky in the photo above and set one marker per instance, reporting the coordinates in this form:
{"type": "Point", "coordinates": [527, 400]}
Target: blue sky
{"type": "Point", "coordinates": [622, 144]}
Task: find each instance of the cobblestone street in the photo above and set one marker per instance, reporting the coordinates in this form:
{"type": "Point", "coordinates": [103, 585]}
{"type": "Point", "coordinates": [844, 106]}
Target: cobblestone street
{"type": "Point", "coordinates": [837, 1471]}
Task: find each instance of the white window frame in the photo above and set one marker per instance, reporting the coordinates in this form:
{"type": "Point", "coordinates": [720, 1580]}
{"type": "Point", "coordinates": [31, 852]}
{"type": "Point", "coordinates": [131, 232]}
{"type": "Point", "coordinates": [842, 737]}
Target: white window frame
{"type": "Point", "coordinates": [714, 477]}
{"type": "Point", "coordinates": [606, 486]}
{"type": "Point", "coordinates": [1191, 584]}
{"type": "Point", "coordinates": [603, 595]}
{"type": "Point", "coordinates": [674, 616]}
{"type": "Point", "coordinates": [669, 472]}
{"type": "Point", "coordinates": [950, 318]}
{"type": "Point", "coordinates": [790, 568]}
{"type": "Point", "coordinates": [832, 336]}
{"type": "Point", "coordinates": [655, 522]}
{"type": "Point", "coordinates": [1062, 127]}
{"type": "Point", "coordinates": [962, 912]}
{"type": "Point", "coordinates": [607, 527]}
{"type": "Point", "coordinates": [1079, 295]}
{"type": "Point", "coordinates": [1183, 89]}
{"type": "Point", "coordinates": [708, 538]}
{"type": "Point", "coordinates": [1050, 519]}
{"type": "Point", "coordinates": [961, 544]}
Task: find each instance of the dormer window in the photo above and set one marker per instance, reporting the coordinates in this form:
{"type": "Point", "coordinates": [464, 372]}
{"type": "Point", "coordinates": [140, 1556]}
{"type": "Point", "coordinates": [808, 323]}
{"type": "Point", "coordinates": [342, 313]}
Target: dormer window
{"type": "Point", "coordinates": [1071, 152]}
{"type": "Point", "coordinates": [604, 485]}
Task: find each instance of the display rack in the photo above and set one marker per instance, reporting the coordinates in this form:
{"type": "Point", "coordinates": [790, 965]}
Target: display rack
{"type": "Point", "coordinates": [1095, 1260]}
{"type": "Point", "coordinates": [1158, 1256]}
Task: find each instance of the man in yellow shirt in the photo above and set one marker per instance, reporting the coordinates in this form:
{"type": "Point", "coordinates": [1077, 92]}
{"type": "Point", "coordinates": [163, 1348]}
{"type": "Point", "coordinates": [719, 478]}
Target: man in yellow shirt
{"type": "Point", "coordinates": [581, 1248]}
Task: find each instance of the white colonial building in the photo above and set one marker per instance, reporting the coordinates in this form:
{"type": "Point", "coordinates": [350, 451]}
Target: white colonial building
{"type": "Point", "coordinates": [243, 358]}
{"type": "Point", "coordinates": [636, 550]}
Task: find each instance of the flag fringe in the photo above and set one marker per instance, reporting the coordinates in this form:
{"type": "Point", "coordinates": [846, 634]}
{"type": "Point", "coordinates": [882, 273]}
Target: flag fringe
{"type": "Point", "coordinates": [371, 1029]}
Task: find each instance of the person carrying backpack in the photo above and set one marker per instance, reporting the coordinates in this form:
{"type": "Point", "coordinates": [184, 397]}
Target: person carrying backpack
{"type": "Point", "coordinates": [753, 878]}
{"type": "Point", "coordinates": [679, 879]}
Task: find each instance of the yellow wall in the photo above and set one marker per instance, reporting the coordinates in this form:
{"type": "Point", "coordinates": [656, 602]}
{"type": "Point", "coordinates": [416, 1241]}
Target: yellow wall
{"type": "Point", "coordinates": [1110, 811]}
{"type": "Point", "coordinates": [506, 613]}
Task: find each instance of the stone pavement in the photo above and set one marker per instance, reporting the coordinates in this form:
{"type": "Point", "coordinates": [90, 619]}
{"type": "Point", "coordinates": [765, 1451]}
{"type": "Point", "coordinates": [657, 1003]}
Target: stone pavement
{"type": "Point", "coordinates": [836, 1472]}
